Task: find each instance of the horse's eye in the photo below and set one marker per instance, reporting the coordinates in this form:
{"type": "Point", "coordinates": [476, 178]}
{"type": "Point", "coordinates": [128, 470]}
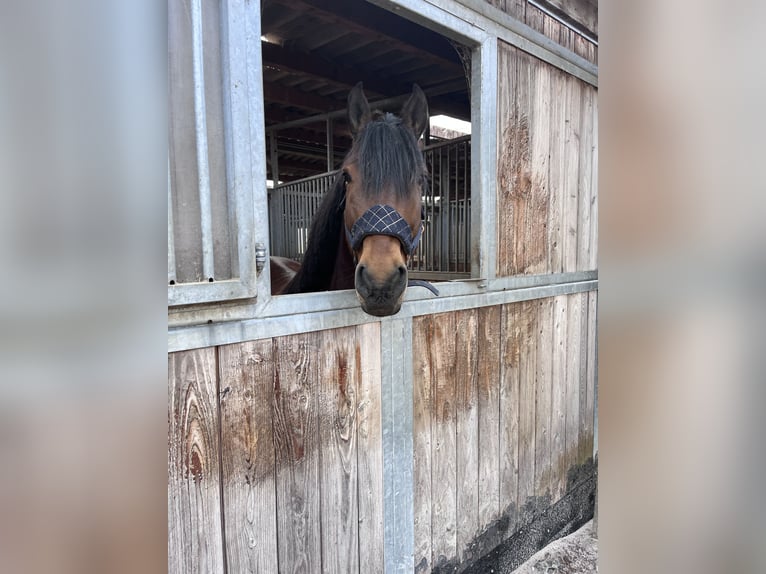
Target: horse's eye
{"type": "Point", "coordinates": [346, 177]}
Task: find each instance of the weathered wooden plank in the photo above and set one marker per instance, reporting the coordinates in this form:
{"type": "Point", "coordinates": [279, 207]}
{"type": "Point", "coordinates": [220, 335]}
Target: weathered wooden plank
{"type": "Point", "coordinates": [582, 12]}
{"type": "Point", "coordinates": [337, 400]}
{"type": "Point", "coordinates": [528, 318]}
{"type": "Point", "coordinates": [558, 398]}
{"type": "Point", "coordinates": [441, 354]}
{"type": "Point", "coordinates": [369, 448]}
{"type": "Point", "coordinates": [571, 150]}
{"type": "Point", "coordinates": [522, 186]}
{"type": "Point", "coordinates": [535, 18]}
{"type": "Point", "coordinates": [594, 189]}
{"type": "Point", "coordinates": [509, 412]}
{"type": "Point", "coordinates": [592, 370]}
{"type": "Point", "coordinates": [572, 375]}
{"type": "Point", "coordinates": [195, 542]}
{"type": "Point", "coordinates": [467, 431]}
{"type": "Point", "coordinates": [296, 441]}
{"type": "Point", "coordinates": [521, 182]}
{"type": "Point", "coordinates": [582, 442]}
{"type": "Point", "coordinates": [585, 183]}
{"type": "Point", "coordinates": [247, 456]}
{"type": "Point", "coordinates": [543, 398]}
{"type": "Point", "coordinates": [556, 162]}
{"type": "Point", "coordinates": [422, 338]}
{"type": "Point", "coordinates": [515, 8]}
{"type": "Point", "coordinates": [512, 140]}
{"type": "Point", "coordinates": [488, 383]}
{"type": "Point", "coordinates": [538, 211]}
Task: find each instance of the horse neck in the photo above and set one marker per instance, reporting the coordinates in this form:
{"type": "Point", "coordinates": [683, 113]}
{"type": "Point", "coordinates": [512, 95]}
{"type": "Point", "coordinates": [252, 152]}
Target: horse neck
{"type": "Point", "coordinates": [344, 268]}
{"type": "Point", "coordinates": [324, 247]}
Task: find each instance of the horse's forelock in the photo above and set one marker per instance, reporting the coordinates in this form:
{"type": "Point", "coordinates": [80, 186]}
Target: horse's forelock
{"type": "Point", "coordinates": [388, 157]}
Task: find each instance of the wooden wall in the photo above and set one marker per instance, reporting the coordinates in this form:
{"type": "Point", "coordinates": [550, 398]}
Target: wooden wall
{"type": "Point", "coordinates": [275, 446]}
{"type": "Point", "coordinates": [275, 452]}
{"type": "Point", "coordinates": [504, 400]}
{"type": "Point", "coordinates": [547, 168]}
{"type": "Point", "coordinates": [274, 455]}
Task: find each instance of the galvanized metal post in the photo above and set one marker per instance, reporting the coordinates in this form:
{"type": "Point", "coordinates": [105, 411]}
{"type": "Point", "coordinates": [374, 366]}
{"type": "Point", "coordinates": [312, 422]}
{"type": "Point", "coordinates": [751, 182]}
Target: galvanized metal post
{"type": "Point", "coordinates": [200, 124]}
{"type": "Point", "coordinates": [396, 416]}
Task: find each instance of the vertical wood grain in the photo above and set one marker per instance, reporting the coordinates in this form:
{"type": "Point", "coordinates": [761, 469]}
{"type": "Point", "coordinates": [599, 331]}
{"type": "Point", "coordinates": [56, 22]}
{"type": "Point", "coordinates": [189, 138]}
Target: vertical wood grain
{"type": "Point", "coordinates": [543, 398]}
{"type": "Point", "coordinates": [571, 182]}
{"type": "Point", "coordinates": [511, 148]}
{"type": "Point", "coordinates": [592, 370]}
{"type": "Point", "coordinates": [582, 447]}
{"type": "Point", "coordinates": [369, 448]}
{"type": "Point", "coordinates": [337, 400]}
{"type": "Point", "coordinates": [556, 162]}
{"type": "Point", "coordinates": [195, 540]}
{"type": "Point", "coordinates": [540, 141]}
{"type": "Point", "coordinates": [528, 316]}
{"type": "Point", "coordinates": [467, 431]}
{"type": "Point", "coordinates": [443, 443]}
{"type": "Point", "coordinates": [247, 456]}
{"type": "Point", "coordinates": [558, 398]}
{"type": "Point", "coordinates": [296, 438]}
{"type": "Point", "coordinates": [586, 183]}
{"type": "Point", "coordinates": [593, 242]}
{"type": "Point", "coordinates": [572, 414]}
{"type": "Point", "coordinates": [488, 383]}
{"type": "Point", "coordinates": [509, 412]}
{"type": "Point", "coordinates": [422, 338]}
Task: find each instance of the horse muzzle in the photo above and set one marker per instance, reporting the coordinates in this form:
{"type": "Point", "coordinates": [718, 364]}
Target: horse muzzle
{"type": "Point", "coordinates": [380, 297]}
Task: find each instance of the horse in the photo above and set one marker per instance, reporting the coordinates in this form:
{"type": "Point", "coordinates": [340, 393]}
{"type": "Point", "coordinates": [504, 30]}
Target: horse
{"type": "Point", "coordinates": [370, 222]}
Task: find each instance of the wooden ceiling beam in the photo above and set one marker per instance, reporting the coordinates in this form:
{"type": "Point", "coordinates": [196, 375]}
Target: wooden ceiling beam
{"type": "Point", "coordinates": [299, 99]}
{"type": "Point", "coordinates": [375, 23]}
{"type": "Point", "coordinates": [343, 77]}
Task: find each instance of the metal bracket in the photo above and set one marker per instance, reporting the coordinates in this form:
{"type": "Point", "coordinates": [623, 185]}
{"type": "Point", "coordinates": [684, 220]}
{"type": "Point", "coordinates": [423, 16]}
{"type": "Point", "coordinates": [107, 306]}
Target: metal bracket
{"type": "Point", "coordinates": [260, 257]}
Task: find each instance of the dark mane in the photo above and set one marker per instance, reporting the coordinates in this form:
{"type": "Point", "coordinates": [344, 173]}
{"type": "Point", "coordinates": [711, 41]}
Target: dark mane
{"type": "Point", "coordinates": [318, 261]}
{"type": "Point", "coordinates": [387, 155]}
{"type": "Point", "coordinates": [389, 159]}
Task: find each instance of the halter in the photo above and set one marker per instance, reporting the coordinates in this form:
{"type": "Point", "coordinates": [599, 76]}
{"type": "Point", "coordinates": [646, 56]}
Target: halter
{"type": "Point", "coordinates": [385, 220]}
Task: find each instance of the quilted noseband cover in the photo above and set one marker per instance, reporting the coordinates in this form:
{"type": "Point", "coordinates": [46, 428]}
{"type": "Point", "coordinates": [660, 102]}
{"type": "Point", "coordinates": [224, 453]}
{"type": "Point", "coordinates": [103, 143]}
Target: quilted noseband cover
{"type": "Point", "coordinates": [383, 220]}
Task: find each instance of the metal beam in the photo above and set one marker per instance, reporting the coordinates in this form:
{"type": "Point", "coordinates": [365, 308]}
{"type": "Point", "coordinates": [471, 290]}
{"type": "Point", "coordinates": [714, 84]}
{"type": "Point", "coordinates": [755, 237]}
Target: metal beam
{"type": "Point", "coordinates": [291, 314]}
{"type": "Point", "coordinates": [397, 422]}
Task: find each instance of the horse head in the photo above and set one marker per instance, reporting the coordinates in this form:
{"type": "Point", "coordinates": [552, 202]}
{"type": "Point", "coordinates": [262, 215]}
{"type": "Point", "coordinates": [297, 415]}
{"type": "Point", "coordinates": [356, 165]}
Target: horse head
{"type": "Point", "coordinates": [384, 175]}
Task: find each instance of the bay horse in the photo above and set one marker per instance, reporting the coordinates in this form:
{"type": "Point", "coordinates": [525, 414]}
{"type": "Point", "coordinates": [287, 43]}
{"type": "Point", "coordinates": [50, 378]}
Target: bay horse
{"type": "Point", "coordinates": [370, 222]}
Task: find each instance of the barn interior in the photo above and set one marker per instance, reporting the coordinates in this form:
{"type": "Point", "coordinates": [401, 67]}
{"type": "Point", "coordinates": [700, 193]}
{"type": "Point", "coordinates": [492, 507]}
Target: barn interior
{"type": "Point", "coordinates": [315, 51]}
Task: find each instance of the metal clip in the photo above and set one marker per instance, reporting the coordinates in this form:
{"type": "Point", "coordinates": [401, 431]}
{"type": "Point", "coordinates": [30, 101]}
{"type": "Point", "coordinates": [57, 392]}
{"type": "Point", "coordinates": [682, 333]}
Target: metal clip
{"type": "Point", "coordinates": [260, 257]}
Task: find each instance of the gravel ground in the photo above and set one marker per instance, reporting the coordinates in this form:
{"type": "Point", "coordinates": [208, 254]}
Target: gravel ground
{"type": "Point", "coordinates": [573, 554]}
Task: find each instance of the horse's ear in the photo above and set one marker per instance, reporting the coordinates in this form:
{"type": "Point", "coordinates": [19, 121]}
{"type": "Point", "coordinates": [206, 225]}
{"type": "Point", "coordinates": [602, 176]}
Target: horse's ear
{"type": "Point", "coordinates": [415, 111]}
{"type": "Point", "coordinates": [358, 109]}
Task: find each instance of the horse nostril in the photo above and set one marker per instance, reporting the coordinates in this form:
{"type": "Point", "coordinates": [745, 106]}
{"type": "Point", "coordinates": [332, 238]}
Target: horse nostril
{"type": "Point", "coordinates": [402, 270]}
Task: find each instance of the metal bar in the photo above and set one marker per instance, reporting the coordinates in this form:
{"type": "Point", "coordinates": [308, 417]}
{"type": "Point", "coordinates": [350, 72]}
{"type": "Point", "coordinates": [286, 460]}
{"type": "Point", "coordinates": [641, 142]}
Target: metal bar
{"type": "Point", "coordinates": [444, 209]}
{"type": "Point", "coordinates": [330, 158]}
{"type": "Point", "coordinates": [328, 175]}
{"type": "Point", "coordinates": [200, 124]}
{"type": "Point", "coordinates": [342, 310]}
{"type": "Point", "coordinates": [397, 422]}
{"type": "Point", "coordinates": [467, 214]}
{"type": "Point", "coordinates": [445, 143]}
{"type": "Point", "coordinates": [484, 160]}
{"type": "Point", "coordinates": [171, 235]}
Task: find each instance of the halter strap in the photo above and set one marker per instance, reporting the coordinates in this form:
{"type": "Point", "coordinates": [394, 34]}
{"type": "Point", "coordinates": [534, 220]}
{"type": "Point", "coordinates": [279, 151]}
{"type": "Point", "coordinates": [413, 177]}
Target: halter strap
{"type": "Point", "coordinates": [383, 220]}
